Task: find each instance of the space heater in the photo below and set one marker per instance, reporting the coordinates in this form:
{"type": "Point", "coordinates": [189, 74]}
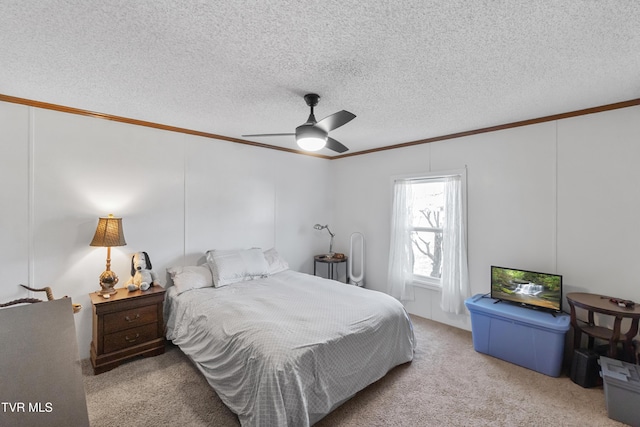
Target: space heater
{"type": "Point", "coordinates": [356, 259]}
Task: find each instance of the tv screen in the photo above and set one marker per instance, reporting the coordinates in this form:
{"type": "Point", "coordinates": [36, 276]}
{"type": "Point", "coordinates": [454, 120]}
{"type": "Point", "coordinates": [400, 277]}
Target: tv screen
{"type": "Point", "coordinates": [529, 288]}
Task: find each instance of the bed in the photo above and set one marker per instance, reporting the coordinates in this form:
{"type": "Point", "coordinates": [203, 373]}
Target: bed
{"type": "Point", "coordinates": [286, 348]}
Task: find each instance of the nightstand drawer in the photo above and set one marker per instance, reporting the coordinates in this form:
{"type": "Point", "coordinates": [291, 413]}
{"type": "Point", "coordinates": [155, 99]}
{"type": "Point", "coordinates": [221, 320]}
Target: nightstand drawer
{"type": "Point", "coordinates": [122, 320]}
{"type": "Point", "coordinates": [130, 337]}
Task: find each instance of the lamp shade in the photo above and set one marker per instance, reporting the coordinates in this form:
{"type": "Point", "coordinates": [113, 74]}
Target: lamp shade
{"type": "Point", "coordinates": [109, 232]}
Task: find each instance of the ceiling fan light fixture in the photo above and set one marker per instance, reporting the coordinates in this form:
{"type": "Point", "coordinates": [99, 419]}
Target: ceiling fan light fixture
{"type": "Point", "coordinates": [314, 135]}
{"type": "Point", "coordinates": [312, 143]}
{"type": "Point", "coordinates": [310, 138]}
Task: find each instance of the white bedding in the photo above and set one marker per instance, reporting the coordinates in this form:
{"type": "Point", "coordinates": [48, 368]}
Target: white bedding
{"type": "Point", "coordinates": [288, 349]}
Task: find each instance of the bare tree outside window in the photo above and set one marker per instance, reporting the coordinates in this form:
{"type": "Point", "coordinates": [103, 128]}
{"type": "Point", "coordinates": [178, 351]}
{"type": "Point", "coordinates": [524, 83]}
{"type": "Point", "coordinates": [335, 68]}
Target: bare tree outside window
{"type": "Point", "coordinates": [427, 223]}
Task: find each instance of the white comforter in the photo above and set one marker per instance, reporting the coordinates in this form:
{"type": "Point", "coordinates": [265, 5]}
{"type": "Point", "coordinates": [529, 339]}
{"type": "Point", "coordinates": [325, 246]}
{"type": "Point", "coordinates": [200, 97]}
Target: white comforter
{"type": "Point", "coordinates": [286, 350]}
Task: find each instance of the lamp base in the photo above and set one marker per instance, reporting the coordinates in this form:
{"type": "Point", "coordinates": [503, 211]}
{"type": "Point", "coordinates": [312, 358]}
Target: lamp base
{"type": "Point", "coordinates": [108, 279]}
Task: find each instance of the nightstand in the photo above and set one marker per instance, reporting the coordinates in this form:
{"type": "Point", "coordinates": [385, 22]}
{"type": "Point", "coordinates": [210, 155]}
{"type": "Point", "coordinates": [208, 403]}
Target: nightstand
{"type": "Point", "coordinates": [127, 325]}
{"type": "Point", "coordinates": [331, 264]}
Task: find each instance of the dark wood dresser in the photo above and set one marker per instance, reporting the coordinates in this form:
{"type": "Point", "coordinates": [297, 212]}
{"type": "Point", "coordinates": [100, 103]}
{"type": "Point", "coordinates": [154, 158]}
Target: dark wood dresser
{"type": "Point", "coordinates": [127, 325]}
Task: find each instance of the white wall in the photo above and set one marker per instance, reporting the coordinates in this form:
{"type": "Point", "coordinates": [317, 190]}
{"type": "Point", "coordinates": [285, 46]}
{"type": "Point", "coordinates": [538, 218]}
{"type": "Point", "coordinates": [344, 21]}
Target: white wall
{"type": "Point", "coordinates": [178, 195]}
{"type": "Point", "coordinates": [14, 205]}
{"type": "Point", "coordinates": [599, 203]}
{"type": "Point", "coordinates": [555, 197]}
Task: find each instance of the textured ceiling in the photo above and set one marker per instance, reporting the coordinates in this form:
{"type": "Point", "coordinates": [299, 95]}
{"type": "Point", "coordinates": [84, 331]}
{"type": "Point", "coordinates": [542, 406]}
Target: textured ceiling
{"type": "Point", "coordinates": [409, 70]}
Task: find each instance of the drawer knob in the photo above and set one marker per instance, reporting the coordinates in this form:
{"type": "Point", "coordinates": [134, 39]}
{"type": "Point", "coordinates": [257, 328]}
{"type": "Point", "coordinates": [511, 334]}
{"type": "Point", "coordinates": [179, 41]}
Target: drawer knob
{"type": "Point", "coordinates": [129, 319]}
{"type": "Point", "coordinates": [134, 339]}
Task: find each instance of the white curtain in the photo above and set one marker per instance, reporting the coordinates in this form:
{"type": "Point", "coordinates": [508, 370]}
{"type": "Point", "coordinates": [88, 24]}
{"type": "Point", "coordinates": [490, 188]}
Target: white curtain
{"type": "Point", "coordinates": [455, 273]}
{"type": "Point", "coordinates": [400, 274]}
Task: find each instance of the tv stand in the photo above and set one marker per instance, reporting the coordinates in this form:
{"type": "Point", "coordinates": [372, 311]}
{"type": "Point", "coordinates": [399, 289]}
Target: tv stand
{"type": "Point", "coordinates": [518, 334]}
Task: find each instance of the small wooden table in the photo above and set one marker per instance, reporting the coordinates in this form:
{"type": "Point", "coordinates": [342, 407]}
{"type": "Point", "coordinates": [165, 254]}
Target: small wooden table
{"type": "Point", "coordinates": [601, 304]}
{"type": "Point", "coordinates": [331, 263]}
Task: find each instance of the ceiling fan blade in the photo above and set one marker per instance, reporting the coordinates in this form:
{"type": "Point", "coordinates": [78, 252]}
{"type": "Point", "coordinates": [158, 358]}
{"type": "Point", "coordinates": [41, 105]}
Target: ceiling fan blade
{"type": "Point", "coordinates": [270, 134]}
{"type": "Point", "coordinates": [336, 120]}
{"type": "Point", "coordinates": [334, 145]}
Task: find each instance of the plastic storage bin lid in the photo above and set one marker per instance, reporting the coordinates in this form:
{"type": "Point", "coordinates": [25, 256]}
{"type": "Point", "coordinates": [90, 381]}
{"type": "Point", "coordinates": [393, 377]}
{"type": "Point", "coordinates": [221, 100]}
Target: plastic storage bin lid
{"type": "Point", "coordinates": [622, 374]}
{"type": "Point", "coordinates": [482, 304]}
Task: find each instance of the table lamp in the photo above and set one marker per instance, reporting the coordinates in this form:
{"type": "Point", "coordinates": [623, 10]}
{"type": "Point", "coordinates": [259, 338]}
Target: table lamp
{"type": "Point", "coordinates": [108, 233]}
{"type": "Point", "coordinates": [322, 227]}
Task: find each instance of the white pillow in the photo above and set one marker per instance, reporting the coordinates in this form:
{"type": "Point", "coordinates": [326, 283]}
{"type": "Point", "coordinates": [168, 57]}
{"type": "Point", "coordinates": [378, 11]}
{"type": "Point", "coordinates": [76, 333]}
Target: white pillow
{"type": "Point", "coordinates": [229, 267]}
{"type": "Point", "coordinates": [190, 277]}
{"type": "Point", "coordinates": [275, 261]}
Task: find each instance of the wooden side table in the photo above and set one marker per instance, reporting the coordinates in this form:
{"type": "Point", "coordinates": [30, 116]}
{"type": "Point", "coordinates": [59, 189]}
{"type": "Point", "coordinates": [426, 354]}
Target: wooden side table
{"type": "Point", "coordinates": [127, 325]}
{"type": "Point", "coordinates": [601, 304]}
{"type": "Point", "coordinates": [331, 265]}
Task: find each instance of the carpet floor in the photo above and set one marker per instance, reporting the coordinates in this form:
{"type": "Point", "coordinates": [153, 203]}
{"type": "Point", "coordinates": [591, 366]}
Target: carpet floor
{"type": "Point", "coordinates": [447, 384]}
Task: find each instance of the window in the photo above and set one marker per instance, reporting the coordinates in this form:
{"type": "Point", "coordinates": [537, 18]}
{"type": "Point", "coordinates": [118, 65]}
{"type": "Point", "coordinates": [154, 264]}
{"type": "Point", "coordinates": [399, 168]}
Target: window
{"type": "Point", "coordinates": [426, 231]}
{"type": "Point", "coordinates": [428, 237]}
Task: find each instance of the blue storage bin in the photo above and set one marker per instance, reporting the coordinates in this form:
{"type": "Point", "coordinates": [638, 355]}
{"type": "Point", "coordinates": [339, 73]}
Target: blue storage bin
{"type": "Point", "coordinates": [527, 337]}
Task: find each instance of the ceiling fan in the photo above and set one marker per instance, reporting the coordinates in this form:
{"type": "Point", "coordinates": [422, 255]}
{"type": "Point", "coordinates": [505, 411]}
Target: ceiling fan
{"type": "Point", "coordinates": [314, 135]}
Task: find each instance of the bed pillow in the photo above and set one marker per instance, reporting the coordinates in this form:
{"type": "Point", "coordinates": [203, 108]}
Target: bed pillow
{"type": "Point", "coordinates": [229, 267]}
{"type": "Point", "coordinates": [275, 261]}
{"type": "Point", "coordinates": [190, 277]}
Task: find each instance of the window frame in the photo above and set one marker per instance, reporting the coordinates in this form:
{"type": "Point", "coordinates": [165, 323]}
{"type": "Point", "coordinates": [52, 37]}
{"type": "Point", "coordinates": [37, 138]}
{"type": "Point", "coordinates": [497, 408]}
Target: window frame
{"type": "Point", "coordinates": [428, 282]}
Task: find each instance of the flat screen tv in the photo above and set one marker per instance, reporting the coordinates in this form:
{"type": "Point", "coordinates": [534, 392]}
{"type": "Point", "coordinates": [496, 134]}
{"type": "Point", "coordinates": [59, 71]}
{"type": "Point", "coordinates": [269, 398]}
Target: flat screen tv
{"type": "Point", "coordinates": [528, 288]}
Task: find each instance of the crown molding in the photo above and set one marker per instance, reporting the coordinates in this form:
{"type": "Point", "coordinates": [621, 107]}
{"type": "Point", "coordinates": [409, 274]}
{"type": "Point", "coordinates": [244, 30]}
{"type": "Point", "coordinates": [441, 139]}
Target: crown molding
{"type": "Point", "coordinates": [593, 110]}
{"type": "Point", "coordinates": [78, 111]}
{"type": "Point", "coordinates": [120, 119]}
